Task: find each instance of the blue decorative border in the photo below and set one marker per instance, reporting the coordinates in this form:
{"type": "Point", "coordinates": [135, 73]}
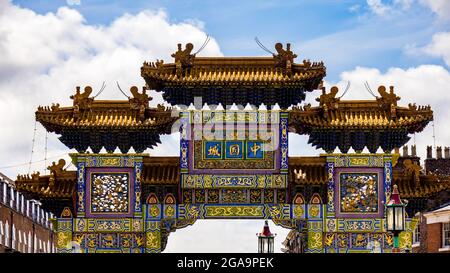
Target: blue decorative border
{"type": "Point", "coordinates": [284, 143]}
{"type": "Point", "coordinates": [330, 191]}
{"type": "Point", "coordinates": [81, 190]}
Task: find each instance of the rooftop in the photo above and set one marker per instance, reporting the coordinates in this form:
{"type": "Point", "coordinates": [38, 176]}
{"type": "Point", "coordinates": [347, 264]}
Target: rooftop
{"type": "Point", "coordinates": [228, 80]}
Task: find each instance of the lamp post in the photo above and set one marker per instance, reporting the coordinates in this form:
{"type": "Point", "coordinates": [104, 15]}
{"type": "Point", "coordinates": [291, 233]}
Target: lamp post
{"type": "Point", "coordinates": [265, 239]}
{"type": "Point", "coordinates": [395, 217]}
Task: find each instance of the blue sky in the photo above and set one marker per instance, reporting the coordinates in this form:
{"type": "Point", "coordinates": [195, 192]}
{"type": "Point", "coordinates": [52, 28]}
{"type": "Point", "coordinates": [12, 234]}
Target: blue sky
{"type": "Point", "coordinates": [344, 34]}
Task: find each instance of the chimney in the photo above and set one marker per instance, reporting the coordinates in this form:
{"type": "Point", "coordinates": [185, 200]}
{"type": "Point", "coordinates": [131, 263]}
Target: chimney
{"type": "Point", "coordinates": [447, 152]}
{"type": "Point", "coordinates": [413, 150]}
{"type": "Point", "coordinates": [405, 151]}
{"type": "Point", "coordinates": [429, 152]}
{"type": "Point", "coordinates": [438, 152]}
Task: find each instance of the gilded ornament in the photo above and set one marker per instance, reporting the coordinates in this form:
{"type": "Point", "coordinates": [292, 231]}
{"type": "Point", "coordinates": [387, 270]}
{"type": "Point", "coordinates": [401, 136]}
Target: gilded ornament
{"type": "Point", "coordinates": [154, 211]}
{"type": "Point", "coordinates": [314, 211]}
{"type": "Point", "coordinates": [153, 240]}
{"type": "Point", "coordinates": [170, 211]}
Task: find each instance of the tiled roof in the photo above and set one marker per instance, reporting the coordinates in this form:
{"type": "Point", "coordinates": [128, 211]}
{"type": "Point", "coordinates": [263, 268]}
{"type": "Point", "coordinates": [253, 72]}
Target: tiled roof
{"type": "Point", "coordinates": [228, 80]}
{"type": "Point", "coordinates": [103, 114]}
{"type": "Point", "coordinates": [380, 113]}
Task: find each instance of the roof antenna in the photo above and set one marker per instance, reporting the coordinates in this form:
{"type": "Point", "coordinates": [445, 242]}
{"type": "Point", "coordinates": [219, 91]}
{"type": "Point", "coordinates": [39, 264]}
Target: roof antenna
{"type": "Point", "coordinates": [262, 46]}
{"type": "Point", "coordinates": [346, 89]}
{"type": "Point", "coordinates": [366, 84]}
{"type": "Point", "coordinates": [434, 135]}
{"type": "Point", "coordinates": [122, 90]}
{"type": "Point", "coordinates": [204, 44]}
{"type": "Point", "coordinates": [101, 89]}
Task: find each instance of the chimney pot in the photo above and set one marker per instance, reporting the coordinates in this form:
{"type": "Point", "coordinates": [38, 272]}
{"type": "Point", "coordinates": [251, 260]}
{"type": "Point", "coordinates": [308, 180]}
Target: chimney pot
{"type": "Point", "coordinates": [429, 152]}
{"type": "Point", "coordinates": [447, 152]}
{"type": "Point", "coordinates": [405, 150]}
{"type": "Point", "coordinates": [413, 150]}
{"type": "Point", "coordinates": [438, 152]}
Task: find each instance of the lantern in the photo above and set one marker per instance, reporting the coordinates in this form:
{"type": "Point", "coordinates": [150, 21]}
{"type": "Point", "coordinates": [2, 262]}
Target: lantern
{"type": "Point", "coordinates": [395, 216]}
{"type": "Point", "coordinates": [266, 240]}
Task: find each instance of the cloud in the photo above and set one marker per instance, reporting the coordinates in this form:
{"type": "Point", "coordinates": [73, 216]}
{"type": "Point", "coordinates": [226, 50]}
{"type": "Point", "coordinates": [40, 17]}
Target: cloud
{"type": "Point", "coordinates": [354, 8]}
{"type": "Point", "coordinates": [45, 56]}
{"type": "Point", "coordinates": [439, 46]}
{"type": "Point", "coordinates": [395, 7]}
{"type": "Point", "coordinates": [440, 7]}
{"type": "Point", "coordinates": [73, 2]}
{"type": "Point", "coordinates": [377, 7]}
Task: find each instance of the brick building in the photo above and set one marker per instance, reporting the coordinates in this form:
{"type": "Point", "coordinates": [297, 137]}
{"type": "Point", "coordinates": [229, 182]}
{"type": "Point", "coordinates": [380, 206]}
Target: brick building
{"type": "Point", "coordinates": [432, 235]}
{"type": "Point", "coordinates": [24, 226]}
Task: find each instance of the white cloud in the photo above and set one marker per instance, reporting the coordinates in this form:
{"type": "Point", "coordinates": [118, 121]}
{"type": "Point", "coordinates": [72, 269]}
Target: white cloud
{"type": "Point", "coordinates": [377, 7]}
{"type": "Point", "coordinates": [440, 7]}
{"type": "Point", "coordinates": [439, 46]}
{"type": "Point", "coordinates": [73, 2]}
{"type": "Point", "coordinates": [383, 8]}
{"type": "Point", "coordinates": [403, 4]}
{"type": "Point", "coordinates": [354, 8]}
{"type": "Point", "coordinates": [45, 56]}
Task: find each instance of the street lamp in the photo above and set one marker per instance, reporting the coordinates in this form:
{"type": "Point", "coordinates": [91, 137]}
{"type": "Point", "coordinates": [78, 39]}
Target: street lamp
{"type": "Point", "coordinates": [265, 239]}
{"type": "Point", "coordinates": [395, 217]}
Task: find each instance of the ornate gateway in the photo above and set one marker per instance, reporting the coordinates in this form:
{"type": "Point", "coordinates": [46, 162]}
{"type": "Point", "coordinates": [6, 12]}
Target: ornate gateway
{"type": "Point", "coordinates": [233, 164]}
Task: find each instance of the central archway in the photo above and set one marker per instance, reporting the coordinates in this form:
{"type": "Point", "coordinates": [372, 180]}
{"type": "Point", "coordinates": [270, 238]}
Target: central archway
{"type": "Point", "coordinates": [222, 236]}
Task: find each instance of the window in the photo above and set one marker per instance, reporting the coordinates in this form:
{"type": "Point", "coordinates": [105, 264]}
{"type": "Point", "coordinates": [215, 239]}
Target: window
{"type": "Point", "coordinates": [19, 244]}
{"type": "Point", "coordinates": [14, 245]}
{"type": "Point", "coordinates": [25, 243]}
{"type": "Point", "coordinates": [2, 233]}
{"type": "Point", "coordinates": [7, 234]}
{"type": "Point", "coordinates": [446, 234]}
{"type": "Point", "coordinates": [30, 243]}
{"type": "Point", "coordinates": [416, 234]}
